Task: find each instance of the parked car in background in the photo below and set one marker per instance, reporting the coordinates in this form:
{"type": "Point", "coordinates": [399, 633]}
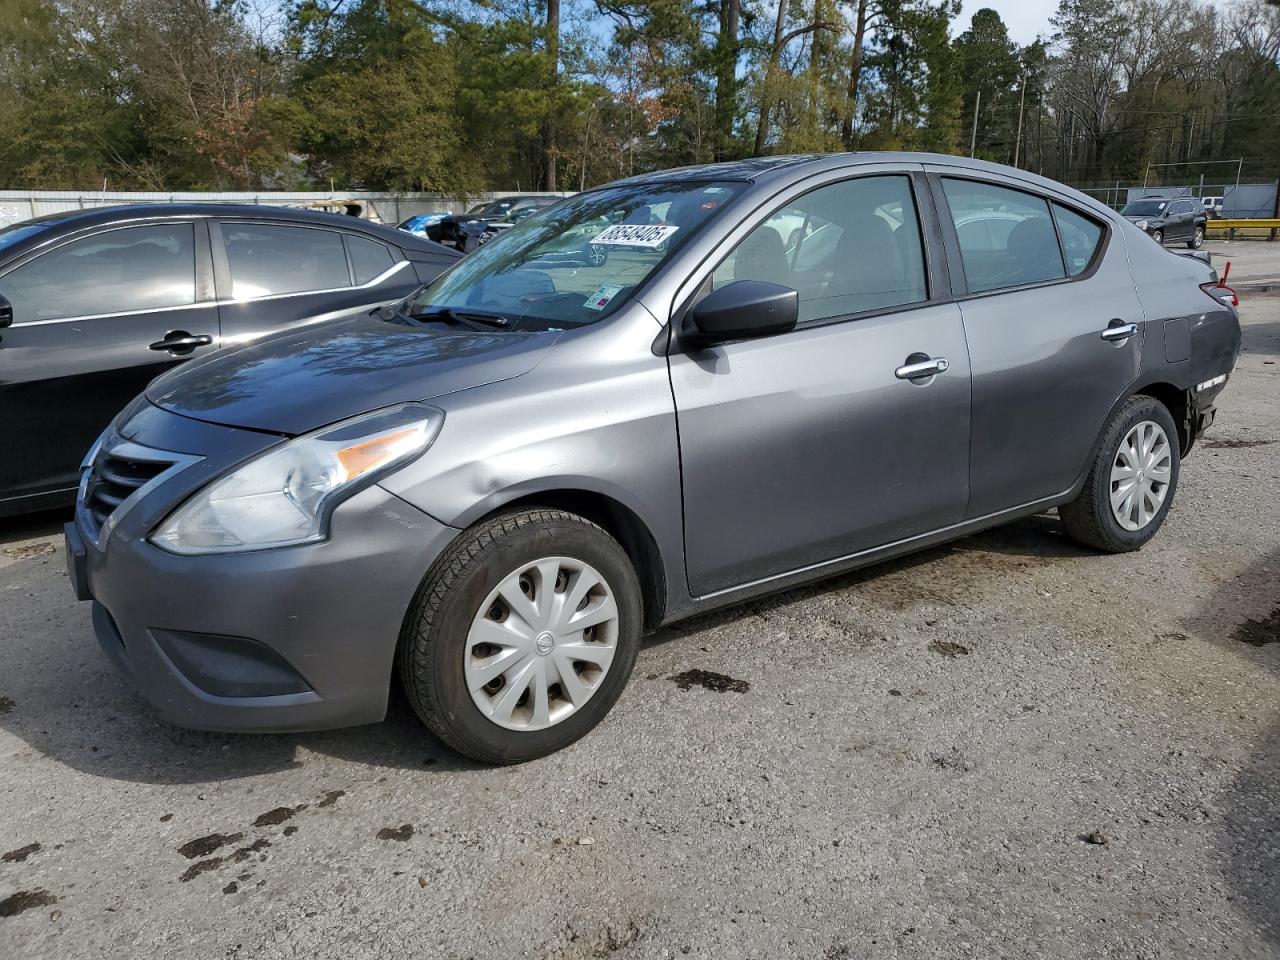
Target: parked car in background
{"type": "Point", "coordinates": [480, 224]}
{"type": "Point", "coordinates": [94, 303]}
{"type": "Point", "coordinates": [494, 492]}
{"type": "Point", "coordinates": [1212, 207]}
{"type": "Point", "coordinates": [364, 209]}
{"type": "Point", "coordinates": [1168, 218]}
{"type": "Point", "coordinates": [418, 224]}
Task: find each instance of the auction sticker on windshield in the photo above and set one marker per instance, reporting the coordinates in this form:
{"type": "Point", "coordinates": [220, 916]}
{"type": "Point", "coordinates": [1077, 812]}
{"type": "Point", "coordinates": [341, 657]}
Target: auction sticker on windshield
{"type": "Point", "coordinates": [604, 293]}
{"type": "Point", "coordinates": [635, 234]}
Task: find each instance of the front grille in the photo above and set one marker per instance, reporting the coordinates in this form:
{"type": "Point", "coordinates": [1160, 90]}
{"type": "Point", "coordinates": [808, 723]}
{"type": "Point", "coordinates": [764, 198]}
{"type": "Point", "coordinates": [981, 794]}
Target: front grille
{"type": "Point", "coordinates": [114, 475]}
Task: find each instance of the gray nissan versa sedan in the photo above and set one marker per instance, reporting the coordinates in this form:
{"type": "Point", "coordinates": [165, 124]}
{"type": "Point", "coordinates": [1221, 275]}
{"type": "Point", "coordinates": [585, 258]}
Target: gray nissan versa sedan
{"type": "Point", "coordinates": [496, 489]}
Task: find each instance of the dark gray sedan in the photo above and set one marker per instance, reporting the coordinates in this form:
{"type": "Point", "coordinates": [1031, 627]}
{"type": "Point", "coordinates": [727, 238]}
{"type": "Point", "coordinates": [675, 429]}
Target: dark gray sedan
{"type": "Point", "coordinates": [95, 303]}
{"type": "Point", "coordinates": [785, 368]}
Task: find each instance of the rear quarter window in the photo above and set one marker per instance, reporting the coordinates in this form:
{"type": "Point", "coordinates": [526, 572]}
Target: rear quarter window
{"type": "Point", "coordinates": [1081, 238]}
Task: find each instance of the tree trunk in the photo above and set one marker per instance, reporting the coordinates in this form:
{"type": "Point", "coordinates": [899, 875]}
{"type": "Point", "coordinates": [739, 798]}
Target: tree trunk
{"type": "Point", "coordinates": [726, 105]}
{"type": "Point", "coordinates": [855, 74]}
{"type": "Point", "coordinates": [553, 55]}
{"type": "Point", "coordinates": [770, 71]}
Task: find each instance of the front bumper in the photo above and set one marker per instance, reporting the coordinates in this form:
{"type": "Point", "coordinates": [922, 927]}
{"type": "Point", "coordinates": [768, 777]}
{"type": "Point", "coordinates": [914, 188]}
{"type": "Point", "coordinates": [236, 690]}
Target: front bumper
{"type": "Point", "coordinates": [296, 638]}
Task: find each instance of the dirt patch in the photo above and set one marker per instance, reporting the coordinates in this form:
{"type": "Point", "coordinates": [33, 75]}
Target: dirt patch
{"type": "Point", "coordinates": [29, 550]}
{"type": "Point", "coordinates": [25, 900]}
{"type": "Point", "coordinates": [1234, 443]}
{"type": "Point", "coordinates": [945, 648]}
{"type": "Point", "coordinates": [400, 833]}
{"type": "Point", "coordinates": [290, 830]}
{"type": "Point", "coordinates": [277, 816]}
{"type": "Point", "coordinates": [331, 797]}
{"type": "Point", "coordinates": [17, 856]}
{"type": "Point", "coordinates": [1095, 837]}
{"type": "Point", "coordinates": [1259, 633]}
{"type": "Point", "coordinates": [213, 863]}
{"type": "Point", "coordinates": [710, 680]}
{"type": "Point", "coordinates": [203, 846]}
{"type": "Point", "coordinates": [7, 704]}
{"type": "Point", "coordinates": [199, 867]}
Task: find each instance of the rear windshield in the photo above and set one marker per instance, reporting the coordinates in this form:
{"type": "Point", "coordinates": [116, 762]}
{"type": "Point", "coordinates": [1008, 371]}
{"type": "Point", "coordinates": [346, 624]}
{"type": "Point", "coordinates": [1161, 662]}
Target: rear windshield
{"type": "Point", "coordinates": [1145, 208]}
{"type": "Point", "coordinates": [576, 262]}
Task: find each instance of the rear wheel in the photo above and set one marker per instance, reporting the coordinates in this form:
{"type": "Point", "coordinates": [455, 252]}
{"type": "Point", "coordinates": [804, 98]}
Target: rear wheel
{"type": "Point", "coordinates": [1196, 240]}
{"type": "Point", "coordinates": [522, 635]}
{"type": "Point", "coordinates": [1132, 481]}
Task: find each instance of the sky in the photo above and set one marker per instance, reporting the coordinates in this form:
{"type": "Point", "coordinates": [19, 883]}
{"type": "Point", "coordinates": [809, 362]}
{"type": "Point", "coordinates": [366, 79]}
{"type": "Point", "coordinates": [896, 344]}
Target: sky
{"type": "Point", "coordinates": [1024, 18]}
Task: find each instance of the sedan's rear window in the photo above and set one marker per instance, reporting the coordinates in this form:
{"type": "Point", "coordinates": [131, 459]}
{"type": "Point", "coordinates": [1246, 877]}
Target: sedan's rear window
{"type": "Point", "coordinates": [1007, 237]}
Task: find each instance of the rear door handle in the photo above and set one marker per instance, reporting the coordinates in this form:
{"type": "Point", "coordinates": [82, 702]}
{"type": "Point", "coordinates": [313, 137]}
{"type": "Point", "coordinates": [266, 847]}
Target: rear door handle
{"type": "Point", "coordinates": [1119, 331]}
{"type": "Point", "coordinates": [182, 343]}
{"type": "Point", "coordinates": [922, 368]}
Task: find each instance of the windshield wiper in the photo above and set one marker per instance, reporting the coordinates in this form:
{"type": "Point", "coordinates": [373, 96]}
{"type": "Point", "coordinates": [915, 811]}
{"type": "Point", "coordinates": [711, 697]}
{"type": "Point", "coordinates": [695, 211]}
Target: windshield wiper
{"type": "Point", "coordinates": [463, 317]}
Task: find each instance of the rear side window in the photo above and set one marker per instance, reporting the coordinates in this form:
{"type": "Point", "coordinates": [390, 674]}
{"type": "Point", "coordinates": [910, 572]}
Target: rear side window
{"type": "Point", "coordinates": [1006, 236]}
{"type": "Point", "coordinates": [119, 271]}
{"type": "Point", "coordinates": [268, 259]}
{"type": "Point", "coordinates": [846, 248]}
{"type": "Point", "coordinates": [1080, 238]}
{"type": "Point", "coordinates": [369, 258]}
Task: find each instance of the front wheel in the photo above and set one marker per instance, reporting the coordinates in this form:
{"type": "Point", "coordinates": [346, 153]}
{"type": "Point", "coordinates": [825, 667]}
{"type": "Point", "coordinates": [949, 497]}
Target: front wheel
{"type": "Point", "coordinates": [1157, 236]}
{"type": "Point", "coordinates": [522, 635]}
{"type": "Point", "coordinates": [1131, 482]}
{"type": "Point", "coordinates": [1196, 240]}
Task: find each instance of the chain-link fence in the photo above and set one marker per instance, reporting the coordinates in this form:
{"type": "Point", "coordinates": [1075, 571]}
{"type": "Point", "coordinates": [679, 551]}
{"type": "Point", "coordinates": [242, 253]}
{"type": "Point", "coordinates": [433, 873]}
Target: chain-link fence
{"type": "Point", "coordinates": [1230, 201]}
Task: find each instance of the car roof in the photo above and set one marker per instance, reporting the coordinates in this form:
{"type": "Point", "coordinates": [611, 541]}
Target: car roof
{"type": "Point", "coordinates": [75, 220]}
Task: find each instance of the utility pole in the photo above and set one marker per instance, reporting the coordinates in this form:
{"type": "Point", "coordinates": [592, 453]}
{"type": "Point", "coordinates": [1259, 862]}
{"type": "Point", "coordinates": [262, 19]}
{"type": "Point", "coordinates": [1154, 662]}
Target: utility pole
{"type": "Point", "coordinates": [1017, 141]}
{"type": "Point", "coordinates": [973, 137]}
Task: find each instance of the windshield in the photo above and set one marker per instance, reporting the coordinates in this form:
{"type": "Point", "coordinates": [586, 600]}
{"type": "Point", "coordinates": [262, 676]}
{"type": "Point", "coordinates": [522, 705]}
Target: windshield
{"type": "Point", "coordinates": [19, 231]}
{"type": "Point", "coordinates": [492, 209]}
{"type": "Point", "coordinates": [1145, 208]}
{"type": "Point", "coordinates": [576, 262]}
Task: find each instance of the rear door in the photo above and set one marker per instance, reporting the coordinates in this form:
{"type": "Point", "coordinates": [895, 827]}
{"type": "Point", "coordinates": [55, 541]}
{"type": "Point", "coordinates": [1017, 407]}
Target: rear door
{"type": "Point", "coordinates": [275, 275]}
{"type": "Point", "coordinates": [1054, 329]}
{"type": "Point", "coordinates": [95, 320]}
{"type": "Point", "coordinates": [805, 447]}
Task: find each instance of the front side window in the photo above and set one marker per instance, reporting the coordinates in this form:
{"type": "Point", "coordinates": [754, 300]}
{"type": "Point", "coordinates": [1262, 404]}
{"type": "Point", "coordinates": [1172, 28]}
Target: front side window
{"type": "Point", "coordinates": [119, 271]}
{"type": "Point", "coordinates": [846, 248]}
{"type": "Point", "coordinates": [573, 263]}
{"type": "Point", "coordinates": [1081, 237]}
{"type": "Point", "coordinates": [269, 259]}
{"type": "Point", "coordinates": [1007, 238]}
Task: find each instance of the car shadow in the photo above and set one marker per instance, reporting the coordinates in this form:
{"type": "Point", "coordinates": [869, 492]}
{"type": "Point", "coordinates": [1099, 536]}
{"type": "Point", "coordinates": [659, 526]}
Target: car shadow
{"type": "Point", "coordinates": [1036, 538]}
{"type": "Point", "coordinates": [46, 523]}
{"type": "Point", "coordinates": [1243, 614]}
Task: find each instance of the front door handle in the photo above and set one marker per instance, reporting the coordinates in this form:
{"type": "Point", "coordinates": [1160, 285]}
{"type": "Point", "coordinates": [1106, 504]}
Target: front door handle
{"type": "Point", "coordinates": [179, 341]}
{"type": "Point", "coordinates": [1119, 331]}
{"type": "Point", "coordinates": [918, 369]}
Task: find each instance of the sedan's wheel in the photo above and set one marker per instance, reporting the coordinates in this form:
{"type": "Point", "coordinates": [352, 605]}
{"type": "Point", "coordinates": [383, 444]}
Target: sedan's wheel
{"type": "Point", "coordinates": [1132, 481]}
{"type": "Point", "coordinates": [541, 644]}
{"type": "Point", "coordinates": [1196, 240]}
{"type": "Point", "coordinates": [1157, 236]}
{"type": "Point", "coordinates": [522, 635]}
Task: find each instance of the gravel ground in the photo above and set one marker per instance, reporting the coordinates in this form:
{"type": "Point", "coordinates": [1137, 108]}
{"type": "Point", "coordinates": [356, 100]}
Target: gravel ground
{"type": "Point", "coordinates": [1007, 747]}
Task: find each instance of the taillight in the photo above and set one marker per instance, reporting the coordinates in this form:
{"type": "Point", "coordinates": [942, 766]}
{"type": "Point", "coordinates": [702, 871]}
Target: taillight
{"type": "Point", "coordinates": [1220, 291]}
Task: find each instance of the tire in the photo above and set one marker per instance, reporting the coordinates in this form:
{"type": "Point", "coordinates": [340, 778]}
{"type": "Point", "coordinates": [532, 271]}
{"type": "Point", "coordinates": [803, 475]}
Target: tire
{"type": "Point", "coordinates": [1158, 236]}
{"type": "Point", "coordinates": [436, 648]}
{"type": "Point", "coordinates": [1196, 240]}
{"type": "Point", "coordinates": [1090, 519]}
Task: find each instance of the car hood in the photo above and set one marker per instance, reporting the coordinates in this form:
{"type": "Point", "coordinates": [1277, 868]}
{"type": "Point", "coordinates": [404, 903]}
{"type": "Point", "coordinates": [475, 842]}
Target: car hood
{"type": "Point", "coordinates": [299, 382]}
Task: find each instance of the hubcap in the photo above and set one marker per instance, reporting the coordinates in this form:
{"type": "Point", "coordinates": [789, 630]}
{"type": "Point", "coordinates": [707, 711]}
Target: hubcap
{"type": "Point", "coordinates": [1140, 475]}
{"type": "Point", "coordinates": [541, 644]}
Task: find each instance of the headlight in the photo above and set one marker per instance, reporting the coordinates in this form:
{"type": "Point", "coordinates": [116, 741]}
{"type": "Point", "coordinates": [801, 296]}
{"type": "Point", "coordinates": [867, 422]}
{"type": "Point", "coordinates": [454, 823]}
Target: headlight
{"type": "Point", "coordinates": [284, 496]}
{"type": "Point", "coordinates": [1141, 224]}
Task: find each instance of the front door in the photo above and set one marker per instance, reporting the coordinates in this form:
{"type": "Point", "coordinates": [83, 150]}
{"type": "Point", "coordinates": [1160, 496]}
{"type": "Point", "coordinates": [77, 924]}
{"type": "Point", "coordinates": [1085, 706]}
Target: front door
{"type": "Point", "coordinates": [95, 319]}
{"type": "Point", "coordinates": [815, 444]}
{"type": "Point", "coordinates": [1055, 337]}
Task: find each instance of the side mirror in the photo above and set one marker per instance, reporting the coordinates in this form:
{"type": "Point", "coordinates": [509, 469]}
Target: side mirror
{"type": "Point", "coordinates": [6, 312]}
{"type": "Point", "coordinates": [741, 310]}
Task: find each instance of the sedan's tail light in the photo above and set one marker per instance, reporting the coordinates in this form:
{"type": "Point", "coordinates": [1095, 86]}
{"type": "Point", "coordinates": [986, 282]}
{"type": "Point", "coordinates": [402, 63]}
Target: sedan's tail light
{"type": "Point", "coordinates": [1219, 289]}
